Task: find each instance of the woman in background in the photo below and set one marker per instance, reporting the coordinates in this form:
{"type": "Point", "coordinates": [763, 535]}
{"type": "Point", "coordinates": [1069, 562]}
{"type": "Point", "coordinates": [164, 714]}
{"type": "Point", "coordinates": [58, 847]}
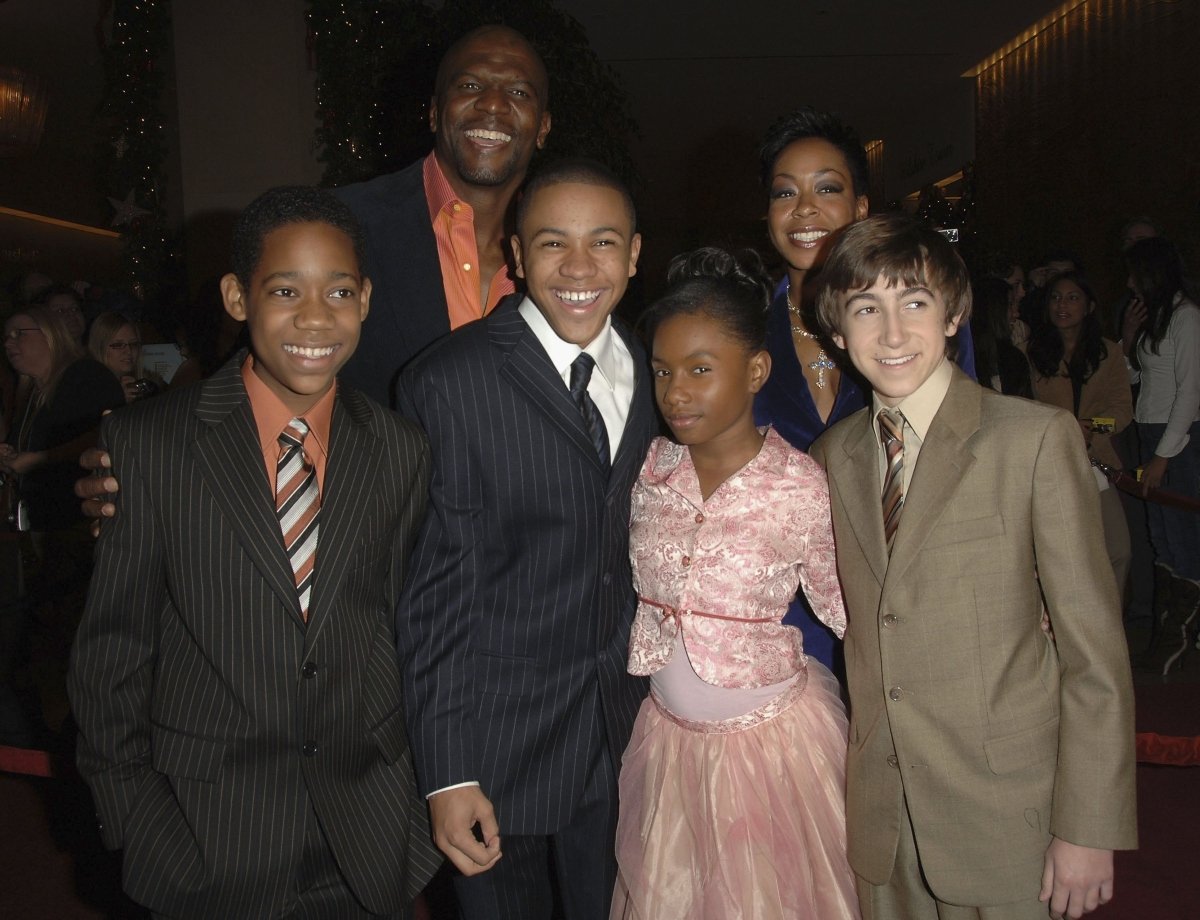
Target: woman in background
{"type": "Point", "coordinates": [1161, 336]}
{"type": "Point", "coordinates": [1077, 369]}
{"type": "Point", "coordinates": [1000, 364]}
{"type": "Point", "coordinates": [61, 396]}
{"type": "Point", "coordinates": [116, 343]}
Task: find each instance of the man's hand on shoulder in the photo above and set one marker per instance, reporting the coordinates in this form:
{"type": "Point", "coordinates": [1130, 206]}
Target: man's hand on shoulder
{"type": "Point", "coordinates": [1076, 880]}
{"type": "Point", "coordinates": [453, 815]}
{"type": "Point", "coordinates": [97, 488]}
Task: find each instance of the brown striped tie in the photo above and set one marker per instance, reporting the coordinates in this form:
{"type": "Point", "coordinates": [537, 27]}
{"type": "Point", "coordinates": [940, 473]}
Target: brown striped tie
{"type": "Point", "coordinates": [298, 503]}
{"type": "Point", "coordinates": [891, 433]}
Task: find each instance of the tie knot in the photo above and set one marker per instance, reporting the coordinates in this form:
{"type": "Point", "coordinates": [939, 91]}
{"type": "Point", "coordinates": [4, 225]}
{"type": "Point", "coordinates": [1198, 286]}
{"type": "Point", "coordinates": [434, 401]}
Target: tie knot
{"type": "Point", "coordinates": [294, 433]}
{"type": "Point", "coordinates": [581, 373]}
{"type": "Point", "coordinates": [891, 425]}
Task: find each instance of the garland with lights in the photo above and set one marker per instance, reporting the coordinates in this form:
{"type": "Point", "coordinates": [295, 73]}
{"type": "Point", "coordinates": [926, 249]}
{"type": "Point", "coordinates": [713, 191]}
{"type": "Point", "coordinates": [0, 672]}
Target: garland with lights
{"type": "Point", "coordinates": [134, 147]}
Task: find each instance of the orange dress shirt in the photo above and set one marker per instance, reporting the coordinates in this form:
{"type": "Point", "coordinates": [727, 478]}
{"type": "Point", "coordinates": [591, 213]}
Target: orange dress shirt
{"type": "Point", "coordinates": [271, 417]}
{"type": "Point", "coordinates": [454, 229]}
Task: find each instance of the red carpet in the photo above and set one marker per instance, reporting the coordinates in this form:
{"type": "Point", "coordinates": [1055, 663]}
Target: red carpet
{"type": "Point", "coordinates": [52, 866]}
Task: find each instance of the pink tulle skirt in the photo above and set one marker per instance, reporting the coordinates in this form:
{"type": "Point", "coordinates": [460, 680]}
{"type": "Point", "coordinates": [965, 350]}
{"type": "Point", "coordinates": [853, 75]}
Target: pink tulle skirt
{"type": "Point", "coordinates": [719, 824]}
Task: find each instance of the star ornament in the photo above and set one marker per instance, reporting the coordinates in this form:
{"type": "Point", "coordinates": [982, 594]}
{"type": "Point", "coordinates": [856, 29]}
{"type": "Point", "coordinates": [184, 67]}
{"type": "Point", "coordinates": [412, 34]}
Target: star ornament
{"type": "Point", "coordinates": [126, 211]}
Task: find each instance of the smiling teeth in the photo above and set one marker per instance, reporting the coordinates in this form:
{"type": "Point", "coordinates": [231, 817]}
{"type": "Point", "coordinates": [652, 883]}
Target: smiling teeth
{"type": "Point", "coordinates": [578, 296]}
{"type": "Point", "coordinates": [894, 361]}
{"type": "Point", "coordinates": [305, 352]}
{"type": "Point", "coordinates": [489, 135]}
{"type": "Point", "coordinates": [809, 236]}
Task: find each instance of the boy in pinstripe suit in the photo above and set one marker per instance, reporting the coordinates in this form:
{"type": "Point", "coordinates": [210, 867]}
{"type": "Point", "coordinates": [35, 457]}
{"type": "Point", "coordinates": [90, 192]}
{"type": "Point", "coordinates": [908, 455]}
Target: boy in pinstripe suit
{"type": "Point", "coordinates": [234, 676]}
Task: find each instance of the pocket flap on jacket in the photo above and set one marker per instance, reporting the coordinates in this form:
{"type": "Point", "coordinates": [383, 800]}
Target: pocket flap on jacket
{"type": "Point", "coordinates": [185, 755]}
{"type": "Point", "coordinates": [950, 533]}
{"type": "Point", "coordinates": [1025, 748]}
{"type": "Point", "coordinates": [391, 737]}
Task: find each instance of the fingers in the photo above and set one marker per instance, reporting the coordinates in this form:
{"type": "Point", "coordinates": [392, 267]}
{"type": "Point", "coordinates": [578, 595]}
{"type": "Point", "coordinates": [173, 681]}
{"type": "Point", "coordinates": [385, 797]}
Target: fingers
{"type": "Point", "coordinates": [454, 815]}
{"type": "Point", "coordinates": [95, 458]}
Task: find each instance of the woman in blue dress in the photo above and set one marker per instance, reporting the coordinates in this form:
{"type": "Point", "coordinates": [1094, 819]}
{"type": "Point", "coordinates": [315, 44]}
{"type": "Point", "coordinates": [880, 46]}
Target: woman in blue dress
{"type": "Point", "coordinates": [815, 172]}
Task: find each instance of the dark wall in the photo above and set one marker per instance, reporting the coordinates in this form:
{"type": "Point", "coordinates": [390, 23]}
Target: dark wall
{"type": "Point", "coordinates": [1092, 121]}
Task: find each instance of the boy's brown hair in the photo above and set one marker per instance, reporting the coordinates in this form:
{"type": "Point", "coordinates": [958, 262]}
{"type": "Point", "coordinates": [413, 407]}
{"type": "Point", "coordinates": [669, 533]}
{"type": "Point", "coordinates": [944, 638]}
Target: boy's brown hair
{"type": "Point", "coordinates": [902, 251]}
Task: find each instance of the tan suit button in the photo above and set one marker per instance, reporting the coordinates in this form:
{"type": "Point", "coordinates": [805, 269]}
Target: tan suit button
{"type": "Point", "coordinates": [699, 518]}
{"type": "Point", "coordinates": [896, 694]}
{"type": "Point", "coordinates": [890, 619]}
{"type": "Point", "coordinates": [893, 760]}
{"type": "Point", "coordinates": [686, 560]}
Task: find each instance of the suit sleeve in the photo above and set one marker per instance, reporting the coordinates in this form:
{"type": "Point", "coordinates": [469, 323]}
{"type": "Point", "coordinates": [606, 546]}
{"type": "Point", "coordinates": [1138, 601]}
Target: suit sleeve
{"type": "Point", "coordinates": [1094, 780]}
{"type": "Point", "coordinates": [114, 652]}
{"type": "Point", "coordinates": [436, 611]}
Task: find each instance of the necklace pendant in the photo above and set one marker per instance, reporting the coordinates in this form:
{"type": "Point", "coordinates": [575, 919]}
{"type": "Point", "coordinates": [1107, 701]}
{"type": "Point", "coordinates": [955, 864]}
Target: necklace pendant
{"type": "Point", "coordinates": [821, 365]}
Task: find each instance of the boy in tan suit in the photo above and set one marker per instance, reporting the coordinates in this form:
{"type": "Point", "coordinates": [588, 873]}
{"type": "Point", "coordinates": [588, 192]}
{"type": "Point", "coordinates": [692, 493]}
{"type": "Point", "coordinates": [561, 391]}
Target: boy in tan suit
{"type": "Point", "coordinates": [991, 769]}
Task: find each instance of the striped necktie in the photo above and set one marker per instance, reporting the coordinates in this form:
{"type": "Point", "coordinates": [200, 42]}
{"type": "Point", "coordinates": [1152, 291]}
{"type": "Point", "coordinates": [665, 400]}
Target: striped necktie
{"type": "Point", "coordinates": [891, 433]}
{"type": "Point", "coordinates": [581, 374]}
{"type": "Point", "coordinates": [298, 503]}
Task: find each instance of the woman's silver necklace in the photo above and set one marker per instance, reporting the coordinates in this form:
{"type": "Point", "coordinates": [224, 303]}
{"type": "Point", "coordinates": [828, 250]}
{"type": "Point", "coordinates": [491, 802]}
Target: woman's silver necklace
{"type": "Point", "coordinates": [822, 364]}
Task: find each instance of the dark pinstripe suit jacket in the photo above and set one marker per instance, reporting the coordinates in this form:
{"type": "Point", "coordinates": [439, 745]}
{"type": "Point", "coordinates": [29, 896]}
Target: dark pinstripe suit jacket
{"type": "Point", "coordinates": [408, 306]}
{"type": "Point", "coordinates": [209, 713]}
{"type": "Point", "coordinates": [515, 620]}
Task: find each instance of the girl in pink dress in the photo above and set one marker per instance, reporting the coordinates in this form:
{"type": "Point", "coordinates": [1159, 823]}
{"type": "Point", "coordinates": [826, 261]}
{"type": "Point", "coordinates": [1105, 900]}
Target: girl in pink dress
{"type": "Point", "coordinates": [733, 784]}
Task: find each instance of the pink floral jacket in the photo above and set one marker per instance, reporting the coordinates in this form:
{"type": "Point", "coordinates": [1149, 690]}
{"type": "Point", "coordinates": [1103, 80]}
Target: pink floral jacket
{"type": "Point", "coordinates": [723, 571]}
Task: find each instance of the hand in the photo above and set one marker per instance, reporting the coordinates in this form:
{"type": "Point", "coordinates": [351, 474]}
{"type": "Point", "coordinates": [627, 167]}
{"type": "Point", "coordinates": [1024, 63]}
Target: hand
{"type": "Point", "coordinates": [453, 815]}
{"type": "Point", "coordinates": [19, 462]}
{"type": "Point", "coordinates": [96, 489]}
{"type": "Point", "coordinates": [1135, 318]}
{"type": "Point", "coordinates": [129, 384]}
{"type": "Point", "coordinates": [1153, 474]}
{"type": "Point", "coordinates": [1076, 880]}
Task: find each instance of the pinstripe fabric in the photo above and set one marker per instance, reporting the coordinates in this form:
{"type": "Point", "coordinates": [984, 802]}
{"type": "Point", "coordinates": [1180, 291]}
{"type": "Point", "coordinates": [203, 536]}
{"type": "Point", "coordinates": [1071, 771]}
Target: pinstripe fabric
{"type": "Point", "coordinates": [210, 715]}
{"type": "Point", "coordinates": [514, 627]}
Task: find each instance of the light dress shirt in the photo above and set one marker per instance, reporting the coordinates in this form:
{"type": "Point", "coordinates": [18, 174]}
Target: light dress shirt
{"type": "Point", "coordinates": [918, 407]}
{"type": "Point", "coordinates": [1170, 380]}
{"type": "Point", "coordinates": [611, 384]}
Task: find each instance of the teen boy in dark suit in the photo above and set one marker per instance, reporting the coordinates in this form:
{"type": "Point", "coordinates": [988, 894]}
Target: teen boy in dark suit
{"type": "Point", "coordinates": [514, 627]}
{"type": "Point", "coordinates": [990, 772]}
{"type": "Point", "coordinates": [234, 676]}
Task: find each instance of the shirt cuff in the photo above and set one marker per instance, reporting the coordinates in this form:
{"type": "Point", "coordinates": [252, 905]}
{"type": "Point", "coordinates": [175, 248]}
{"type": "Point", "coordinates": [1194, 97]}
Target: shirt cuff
{"type": "Point", "coordinates": [473, 782]}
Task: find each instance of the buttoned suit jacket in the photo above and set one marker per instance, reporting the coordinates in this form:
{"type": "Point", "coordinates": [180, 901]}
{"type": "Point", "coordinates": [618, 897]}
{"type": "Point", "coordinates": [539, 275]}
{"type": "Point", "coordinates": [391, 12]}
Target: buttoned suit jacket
{"type": "Point", "coordinates": [408, 299]}
{"type": "Point", "coordinates": [996, 736]}
{"type": "Point", "coordinates": [210, 714]}
{"type": "Point", "coordinates": [515, 621]}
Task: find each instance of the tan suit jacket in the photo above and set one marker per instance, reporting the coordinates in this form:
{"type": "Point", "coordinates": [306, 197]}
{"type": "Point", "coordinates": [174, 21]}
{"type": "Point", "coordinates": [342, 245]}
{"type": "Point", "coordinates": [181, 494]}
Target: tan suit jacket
{"type": "Point", "coordinates": [996, 736]}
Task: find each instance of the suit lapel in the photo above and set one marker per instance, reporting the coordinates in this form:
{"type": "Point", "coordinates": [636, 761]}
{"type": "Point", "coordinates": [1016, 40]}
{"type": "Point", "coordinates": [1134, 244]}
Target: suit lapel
{"type": "Point", "coordinates": [855, 481]}
{"type": "Point", "coordinates": [228, 457]}
{"type": "Point", "coordinates": [528, 368]}
{"type": "Point", "coordinates": [351, 474]}
{"type": "Point", "coordinates": [944, 459]}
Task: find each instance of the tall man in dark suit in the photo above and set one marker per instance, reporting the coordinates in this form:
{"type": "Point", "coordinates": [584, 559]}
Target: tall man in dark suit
{"type": "Point", "coordinates": [514, 624]}
{"type": "Point", "coordinates": [436, 230]}
{"type": "Point", "coordinates": [234, 675]}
